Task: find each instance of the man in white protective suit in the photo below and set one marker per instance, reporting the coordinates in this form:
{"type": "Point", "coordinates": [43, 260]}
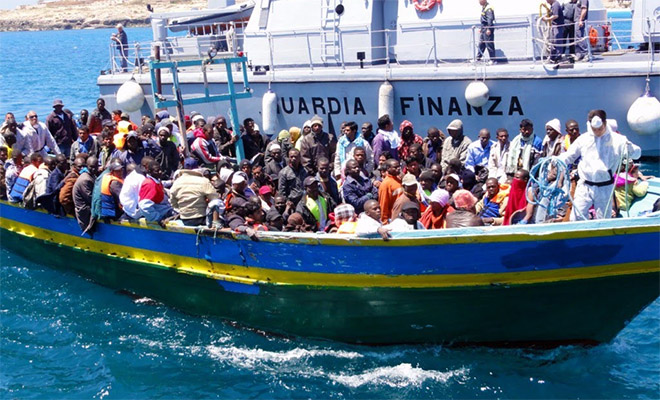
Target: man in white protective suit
{"type": "Point", "coordinates": [601, 150]}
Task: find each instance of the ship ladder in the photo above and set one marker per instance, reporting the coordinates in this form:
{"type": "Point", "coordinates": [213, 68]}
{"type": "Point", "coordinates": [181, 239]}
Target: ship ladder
{"type": "Point", "coordinates": [329, 34]}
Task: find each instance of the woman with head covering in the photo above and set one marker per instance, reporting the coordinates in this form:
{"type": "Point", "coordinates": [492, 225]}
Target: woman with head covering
{"type": "Point", "coordinates": [434, 217]}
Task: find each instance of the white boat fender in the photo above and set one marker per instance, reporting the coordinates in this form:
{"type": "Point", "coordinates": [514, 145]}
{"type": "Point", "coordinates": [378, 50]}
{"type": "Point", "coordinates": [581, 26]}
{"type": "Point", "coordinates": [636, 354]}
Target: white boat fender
{"type": "Point", "coordinates": [476, 94]}
{"type": "Point", "coordinates": [269, 113]}
{"type": "Point", "coordinates": [130, 96]}
{"type": "Point", "coordinates": [644, 115]}
{"type": "Point", "coordinates": [386, 100]}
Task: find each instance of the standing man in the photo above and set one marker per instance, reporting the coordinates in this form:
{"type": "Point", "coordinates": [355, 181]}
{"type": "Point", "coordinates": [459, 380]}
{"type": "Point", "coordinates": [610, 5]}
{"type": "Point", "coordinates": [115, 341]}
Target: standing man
{"type": "Point", "coordinates": [524, 149]}
{"type": "Point", "coordinates": [582, 13]}
{"type": "Point", "coordinates": [122, 45]}
{"type": "Point", "coordinates": [368, 132]}
{"type": "Point", "coordinates": [62, 127]}
{"type": "Point", "coordinates": [499, 153]}
{"type": "Point", "coordinates": [346, 146]}
{"type": "Point", "coordinates": [479, 152]}
{"type": "Point", "coordinates": [387, 140]}
{"type": "Point", "coordinates": [600, 150]}
{"type": "Point", "coordinates": [556, 19]}
{"type": "Point", "coordinates": [97, 117]}
{"type": "Point", "coordinates": [571, 11]}
{"type": "Point", "coordinates": [433, 144]}
{"type": "Point", "coordinates": [456, 145]}
{"type": "Point", "coordinates": [40, 138]}
{"type": "Point", "coordinates": [552, 142]}
{"type": "Point", "coordinates": [487, 32]}
{"type": "Point", "coordinates": [389, 189]}
{"type": "Point", "coordinates": [316, 145]}
{"type": "Point", "coordinates": [82, 193]}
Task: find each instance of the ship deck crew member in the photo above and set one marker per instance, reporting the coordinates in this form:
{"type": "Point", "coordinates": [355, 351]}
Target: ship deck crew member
{"type": "Point", "coordinates": [600, 150]}
{"type": "Point", "coordinates": [487, 31]}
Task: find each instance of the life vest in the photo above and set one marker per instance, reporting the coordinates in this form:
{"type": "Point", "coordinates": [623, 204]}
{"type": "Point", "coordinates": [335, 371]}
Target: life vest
{"type": "Point", "coordinates": [119, 139]}
{"type": "Point", "coordinates": [108, 203]}
{"type": "Point", "coordinates": [22, 182]}
{"type": "Point", "coordinates": [593, 36]}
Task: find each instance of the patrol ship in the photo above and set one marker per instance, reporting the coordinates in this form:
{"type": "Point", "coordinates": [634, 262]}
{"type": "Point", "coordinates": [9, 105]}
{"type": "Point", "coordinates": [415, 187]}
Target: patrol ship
{"type": "Point", "coordinates": [414, 59]}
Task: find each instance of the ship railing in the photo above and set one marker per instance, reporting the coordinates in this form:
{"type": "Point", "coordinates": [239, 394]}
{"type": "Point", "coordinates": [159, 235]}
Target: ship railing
{"type": "Point", "coordinates": [202, 37]}
{"type": "Point", "coordinates": [356, 45]}
{"type": "Point", "coordinates": [517, 41]}
{"type": "Point", "coordinates": [134, 57]}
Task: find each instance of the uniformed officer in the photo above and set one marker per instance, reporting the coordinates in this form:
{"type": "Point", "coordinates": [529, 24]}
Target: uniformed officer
{"type": "Point", "coordinates": [487, 36]}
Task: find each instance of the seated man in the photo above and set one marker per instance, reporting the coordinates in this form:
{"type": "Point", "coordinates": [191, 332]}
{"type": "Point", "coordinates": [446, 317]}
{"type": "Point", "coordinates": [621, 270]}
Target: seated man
{"type": "Point", "coordinates": [191, 193]}
{"type": "Point", "coordinates": [239, 222]}
{"type": "Point", "coordinates": [66, 191]}
{"type": "Point", "coordinates": [130, 191]}
{"type": "Point", "coordinates": [357, 190]}
{"type": "Point", "coordinates": [152, 199]}
{"type": "Point", "coordinates": [410, 187]}
{"type": "Point", "coordinates": [24, 178]}
{"type": "Point", "coordinates": [369, 221]}
{"type": "Point", "coordinates": [313, 206]}
{"type": "Point", "coordinates": [82, 193]}
{"type": "Point", "coordinates": [111, 185]}
{"type": "Point", "coordinates": [465, 214]}
{"type": "Point", "coordinates": [408, 219]}
{"type": "Point", "coordinates": [491, 207]}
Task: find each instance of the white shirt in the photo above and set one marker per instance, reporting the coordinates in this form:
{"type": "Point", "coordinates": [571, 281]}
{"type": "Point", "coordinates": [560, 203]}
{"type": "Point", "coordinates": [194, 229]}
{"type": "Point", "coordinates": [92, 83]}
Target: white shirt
{"type": "Point", "coordinates": [497, 161]}
{"type": "Point", "coordinates": [366, 225]}
{"type": "Point", "coordinates": [599, 154]}
{"type": "Point", "coordinates": [129, 195]}
{"type": "Point", "coordinates": [39, 137]}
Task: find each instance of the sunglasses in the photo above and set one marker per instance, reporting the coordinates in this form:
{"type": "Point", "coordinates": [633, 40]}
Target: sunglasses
{"type": "Point", "coordinates": [32, 116]}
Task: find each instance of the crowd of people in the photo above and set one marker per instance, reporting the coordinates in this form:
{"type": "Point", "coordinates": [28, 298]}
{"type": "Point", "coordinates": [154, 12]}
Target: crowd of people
{"type": "Point", "coordinates": [365, 181]}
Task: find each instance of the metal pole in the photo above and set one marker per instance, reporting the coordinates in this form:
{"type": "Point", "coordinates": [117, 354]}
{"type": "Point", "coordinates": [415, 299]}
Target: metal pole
{"type": "Point", "coordinates": [159, 84]}
{"type": "Point", "coordinates": [179, 110]}
{"type": "Point", "coordinates": [240, 152]}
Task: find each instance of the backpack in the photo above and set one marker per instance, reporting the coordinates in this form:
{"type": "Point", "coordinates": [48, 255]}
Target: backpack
{"type": "Point", "coordinates": [96, 195]}
{"type": "Point", "coordinates": [30, 196]}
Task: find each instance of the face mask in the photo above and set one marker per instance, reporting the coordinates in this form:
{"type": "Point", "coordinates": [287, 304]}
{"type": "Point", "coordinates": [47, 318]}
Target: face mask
{"type": "Point", "coordinates": [596, 122]}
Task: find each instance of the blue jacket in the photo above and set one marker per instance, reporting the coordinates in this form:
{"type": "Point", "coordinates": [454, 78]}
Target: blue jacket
{"type": "Point", "coordinates": [358, 191]}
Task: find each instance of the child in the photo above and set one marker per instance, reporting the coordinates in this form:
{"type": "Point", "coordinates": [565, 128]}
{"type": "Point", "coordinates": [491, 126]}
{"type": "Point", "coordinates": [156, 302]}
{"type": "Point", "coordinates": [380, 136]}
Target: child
{"type": "Point", "coordinates": [628, 186]}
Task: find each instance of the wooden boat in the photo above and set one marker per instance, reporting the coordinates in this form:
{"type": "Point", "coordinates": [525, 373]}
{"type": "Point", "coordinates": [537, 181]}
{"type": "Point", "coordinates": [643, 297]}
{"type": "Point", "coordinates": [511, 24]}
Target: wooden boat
{"type": "Point", "coordinates": [543, 284]}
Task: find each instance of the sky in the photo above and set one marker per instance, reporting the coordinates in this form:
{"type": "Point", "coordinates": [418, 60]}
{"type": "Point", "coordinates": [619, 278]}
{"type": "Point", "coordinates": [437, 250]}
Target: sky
{"type": "Point", "coordinates": [11, 4]}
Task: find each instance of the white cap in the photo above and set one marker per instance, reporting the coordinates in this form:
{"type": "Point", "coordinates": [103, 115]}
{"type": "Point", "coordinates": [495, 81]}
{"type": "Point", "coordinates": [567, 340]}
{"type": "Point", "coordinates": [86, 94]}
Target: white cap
{"type": "Point", "coordinates": [554, 124]}
{"type": "Point", "coordinates": [197, 117]}
{"type": "Point", "coordinates": [163, 128]}
{"type": "Point", "coordinates": [274, 146]}
{"type": "Point", "coordinates": [237, 178]}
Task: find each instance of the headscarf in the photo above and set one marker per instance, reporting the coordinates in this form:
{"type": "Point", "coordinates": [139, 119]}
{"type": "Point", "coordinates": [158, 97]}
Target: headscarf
{"type": "Point", "coordinates": [294, 131]}
{"type": "Point", "coordinates": [464, 199]}
{"type": "Point", "coordinates": [517, 199]}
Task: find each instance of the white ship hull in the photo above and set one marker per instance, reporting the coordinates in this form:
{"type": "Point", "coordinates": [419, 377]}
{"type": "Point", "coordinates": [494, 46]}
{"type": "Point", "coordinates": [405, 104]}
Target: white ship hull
{"type": "Point", "coordinates": [427, 96]}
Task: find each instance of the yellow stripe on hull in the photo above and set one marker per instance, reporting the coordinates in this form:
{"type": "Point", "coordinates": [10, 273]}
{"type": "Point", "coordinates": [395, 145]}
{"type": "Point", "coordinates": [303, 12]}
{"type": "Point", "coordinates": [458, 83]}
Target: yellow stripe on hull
{"type": "Point", "coordinates": [254, 275]}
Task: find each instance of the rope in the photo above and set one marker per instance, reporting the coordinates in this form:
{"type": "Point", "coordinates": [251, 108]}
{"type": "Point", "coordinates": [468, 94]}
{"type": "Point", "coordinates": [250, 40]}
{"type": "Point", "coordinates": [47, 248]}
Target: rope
{"type": "Point", "coordinates": [552, 194]}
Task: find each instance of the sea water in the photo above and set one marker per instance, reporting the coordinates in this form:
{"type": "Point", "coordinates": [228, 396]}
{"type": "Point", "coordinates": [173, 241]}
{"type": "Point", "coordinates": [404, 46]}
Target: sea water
{"type": "Point", "coordinates": [62, 336]}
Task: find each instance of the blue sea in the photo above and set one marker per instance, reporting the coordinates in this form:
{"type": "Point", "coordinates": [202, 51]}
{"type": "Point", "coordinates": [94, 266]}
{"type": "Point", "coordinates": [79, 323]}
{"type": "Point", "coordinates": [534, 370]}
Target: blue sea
{"type": "Point", "coordinates": [62, 336]}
